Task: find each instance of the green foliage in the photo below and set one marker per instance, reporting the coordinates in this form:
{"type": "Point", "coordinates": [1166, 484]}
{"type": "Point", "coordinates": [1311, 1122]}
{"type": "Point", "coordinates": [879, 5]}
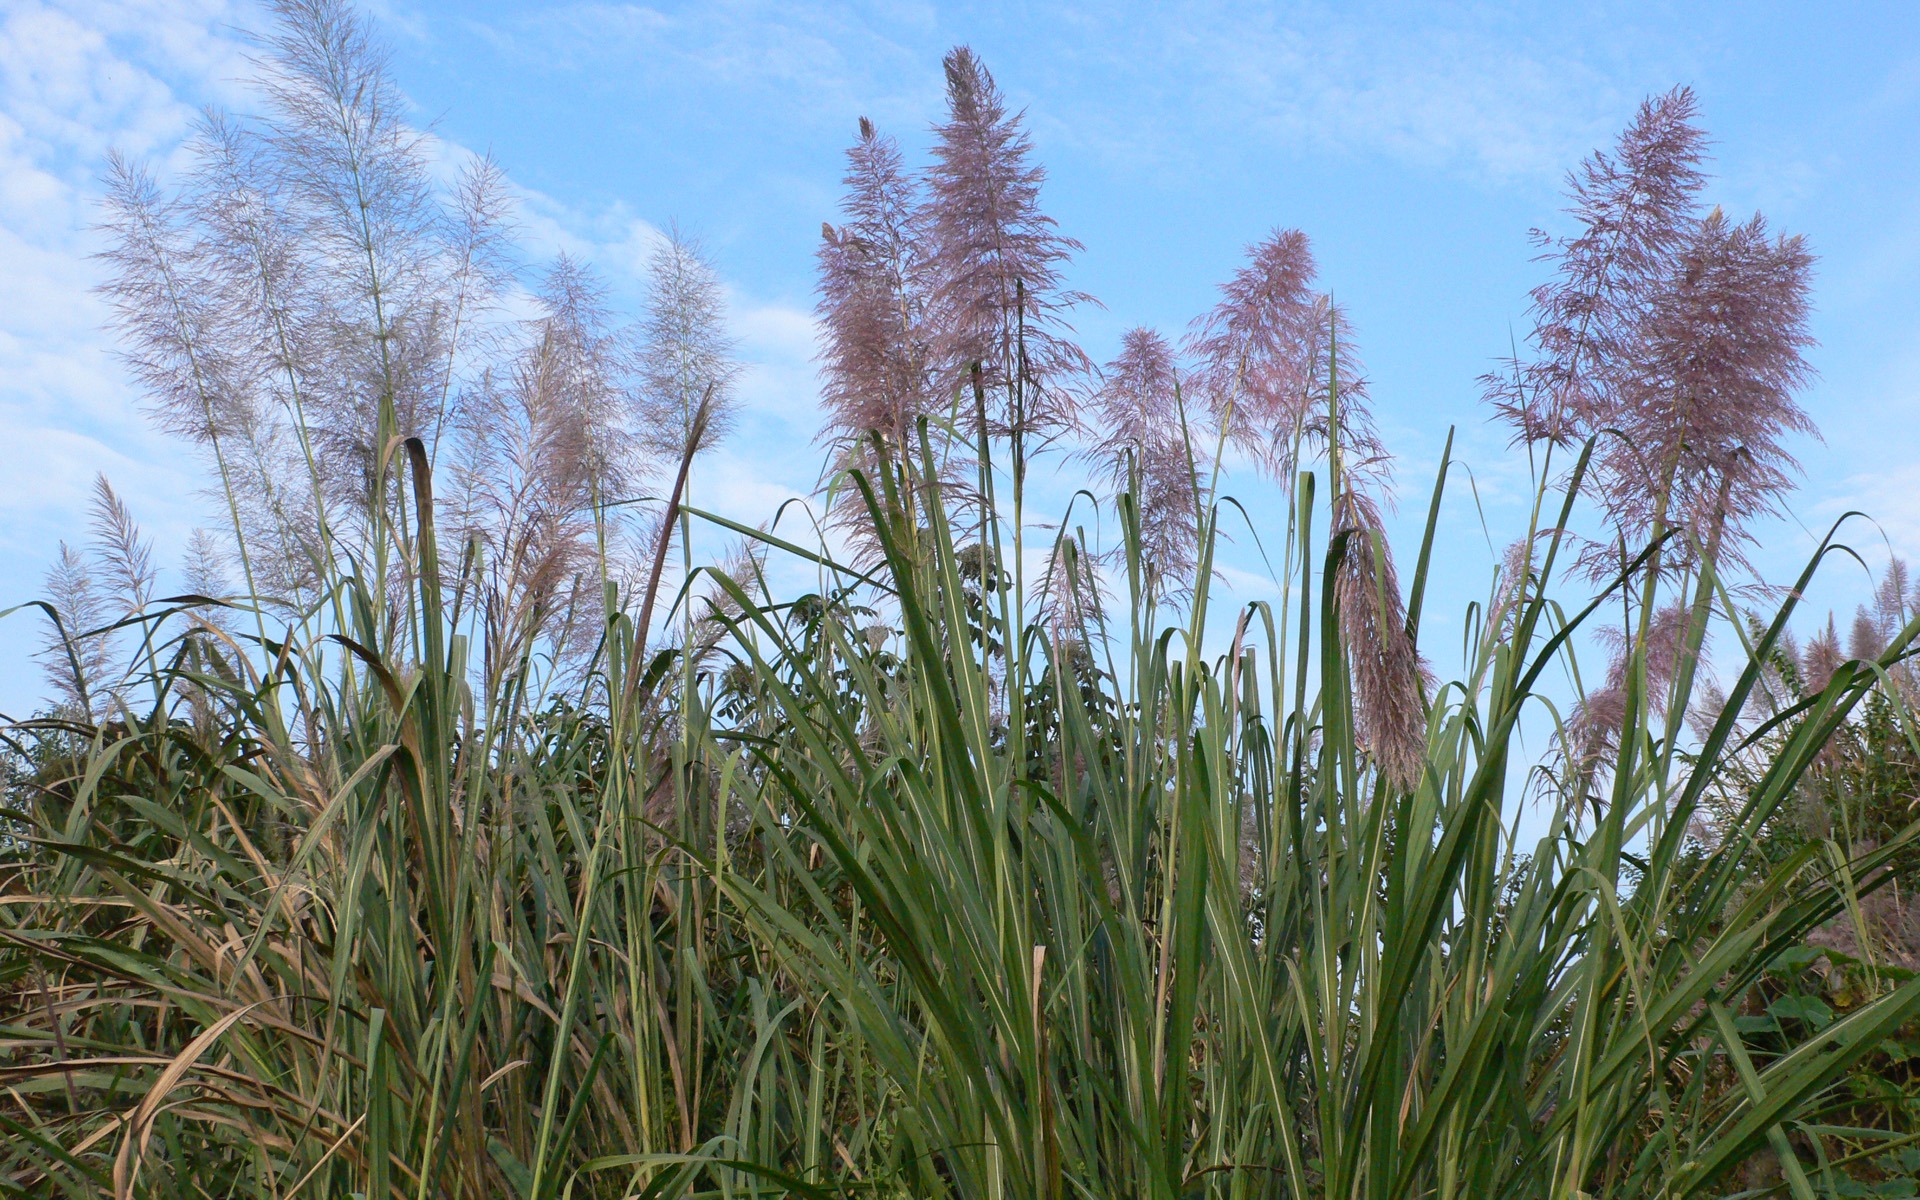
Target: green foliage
{"type": "Point", "coordinates": [952, 910]}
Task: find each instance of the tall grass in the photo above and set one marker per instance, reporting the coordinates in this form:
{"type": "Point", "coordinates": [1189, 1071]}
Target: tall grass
{"type": "Point", "coordinates": [967, 908]}
{"type": "Point", "coordinates": [429, 871]}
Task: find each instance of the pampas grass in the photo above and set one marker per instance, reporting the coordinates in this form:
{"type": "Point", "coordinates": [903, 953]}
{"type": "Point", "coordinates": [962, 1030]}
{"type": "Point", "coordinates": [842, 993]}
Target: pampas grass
{"type": "Point", "coordinates": [419, 866]}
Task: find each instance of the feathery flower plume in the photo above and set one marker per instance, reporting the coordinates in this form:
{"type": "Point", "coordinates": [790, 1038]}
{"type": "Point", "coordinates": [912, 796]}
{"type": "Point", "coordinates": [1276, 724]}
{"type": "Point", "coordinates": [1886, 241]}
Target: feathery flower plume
{"type": "Point", "coordinates": [540, 449]}
{"type": "Point", "coordinates": [871, 302]}
{"type": "Point", "coordinates": [1277, 368]}
{"type": "Point", "coordinates": [1072, 601]}
{"type": "Point", "coordinates": [1515, 576]}
{"type": "Point", "coordinates": [1252, 349]}
{"type": "Point", "coordinates": [309, 294]}
{"type": "Point", "coordinates": [247, 243]}
{"type": "Point", "coordinates": [1268, 352]}
{"type": "Point", "coordinates": [1821, 658]}
{"type": "Point", "coordinates": [1676, 337]}
{"type": "Point", "coordinates": [1389, 678]}
{"type": "Point", "coordinates": [1634, 209]}
{"type": "Point", "coordinates": [186, 341]}
{"type": "Point", "coordinates": [580, 369]}
{"type": "Point", "coordinates": [745, 567]}
{"type": "Point", "coordinates": [203, 569]}
{"type": "Point", "coordinates": [1594, 731]}
{"type": "Point", "coordinates": [1896, 596]}
{"type": "Point", "coordinates": [686, 355]}
{"type": "Point", "coordinates": [353, 177]}
{"type": "Point", "coordinates": [995, 259]}
{"type": "Point", "coordinates": [1864, 640]}
{"type": "Point", "coordinates": [1711, 396]}
{"type": "Point", "coordinates": [168, 310]}
{"type": "Point", "coordinates": [1875, 625]}
{"type": "Point", "coordinates": [125, 557]}
{"type": "Point", "coordinates": [74, 655]}
{"type": "Point", "coordinates": [1142, 448]}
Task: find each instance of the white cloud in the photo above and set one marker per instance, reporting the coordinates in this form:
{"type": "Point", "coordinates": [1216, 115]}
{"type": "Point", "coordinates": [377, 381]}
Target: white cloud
{"type": "Point", "coordinates": [1153, 85]}
{"type": "Point", "coordinates": [1891, 500]}
{"type": "Point", "coordinates": [1432, 91]}
{"type": "Point", "coordinates": [806, 51]}
{"type": "Point", "coordinates": [1134, 81]}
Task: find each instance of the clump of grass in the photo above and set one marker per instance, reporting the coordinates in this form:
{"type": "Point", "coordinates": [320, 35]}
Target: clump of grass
{"type": "Point", "coordinates": [945, 912]}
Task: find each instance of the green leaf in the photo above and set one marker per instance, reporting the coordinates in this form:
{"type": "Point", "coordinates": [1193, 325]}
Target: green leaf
{"type": "Point", "coordinates": [510, 1165]}
{"type": "Point", "coordinates": [1797, 1006]}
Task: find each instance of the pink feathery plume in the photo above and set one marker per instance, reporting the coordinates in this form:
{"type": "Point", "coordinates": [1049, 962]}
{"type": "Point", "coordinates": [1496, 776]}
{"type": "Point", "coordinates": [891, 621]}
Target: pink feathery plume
{"type": "Point", "coordinates": [869, 300]}
{"type": "Point", "coordinates": [1709, 402]}
{"type": "Point", "coordinates": [1267, 355]}
{"type": "Point", "coordinates": [1820, 659]}
{"type": "Point", "coordinates": [1634, 209]}
{"type": "Point", "coordinates": [1072, 600]}
{"type": "Point", "coordinates": [1675, 339]}
{"type": "Point", "coordinates": [871, 303]}
{"type": "Point", "coordinates": [539, 449]}
{"type": "Point", "coordinates": [1864, 638]}
{"type": "Point", "coordinates": [1390, 679]}
{"type": "Point", "coordinates": [1340, 422]}
{"type": "Point", "coordinates": [1276, 365]}
{"type": "Point", "coordinates": [1594, 731]}
{"type": "Point", "coordinates": [1252, 352]}
{"type": "Point", "coordinates": [1142, 447]}
{"type": "Point", "coordinates": [1511, 586]}
{"type": "Point", "coordinates": [998, 299]}
{"type": "Point", "coordinates": [1893, 598]}
{"type": "Point", "coordinates": [1878, 623]}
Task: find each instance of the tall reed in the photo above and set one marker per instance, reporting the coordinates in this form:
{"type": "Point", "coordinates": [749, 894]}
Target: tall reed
{"type": "Point", "coordinates": [953, 909]}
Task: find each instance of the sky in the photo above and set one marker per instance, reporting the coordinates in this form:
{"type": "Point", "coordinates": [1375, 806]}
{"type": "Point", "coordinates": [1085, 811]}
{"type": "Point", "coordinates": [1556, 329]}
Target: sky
{"type": "Point", "coordinates": [1416, 146]}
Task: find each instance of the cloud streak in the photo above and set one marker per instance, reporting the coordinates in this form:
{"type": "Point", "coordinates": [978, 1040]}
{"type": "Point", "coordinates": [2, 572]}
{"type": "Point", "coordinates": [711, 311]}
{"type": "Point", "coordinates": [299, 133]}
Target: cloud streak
{"type": "Point", "coordinates": [1484, 93]}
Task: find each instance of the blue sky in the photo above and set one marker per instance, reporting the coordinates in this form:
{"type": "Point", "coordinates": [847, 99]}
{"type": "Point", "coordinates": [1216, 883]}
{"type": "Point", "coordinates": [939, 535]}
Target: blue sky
{"type": "Point", "coordinates": [1416, 145]}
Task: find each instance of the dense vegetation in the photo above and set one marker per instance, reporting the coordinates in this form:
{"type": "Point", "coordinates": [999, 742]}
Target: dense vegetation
{"type": "Point", "coordinates": [424, 863]}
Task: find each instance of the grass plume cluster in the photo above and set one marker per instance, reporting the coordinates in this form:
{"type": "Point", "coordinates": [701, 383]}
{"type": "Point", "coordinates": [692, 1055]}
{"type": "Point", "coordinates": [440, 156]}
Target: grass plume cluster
{"type": "Point", "coordinates": [437, 872]}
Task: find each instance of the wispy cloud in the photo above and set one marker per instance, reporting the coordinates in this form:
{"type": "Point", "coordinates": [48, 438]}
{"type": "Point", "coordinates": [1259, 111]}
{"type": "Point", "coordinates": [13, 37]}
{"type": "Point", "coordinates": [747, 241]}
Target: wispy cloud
{"type": "Point", "coordinates": [1472, 89]}
{"type": "Point", "coordinates": [1890, 498]}
{"type": "Point", "coordinates": [811, 58]}
{"type": "Point", "coordinates": [1481, 90]}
